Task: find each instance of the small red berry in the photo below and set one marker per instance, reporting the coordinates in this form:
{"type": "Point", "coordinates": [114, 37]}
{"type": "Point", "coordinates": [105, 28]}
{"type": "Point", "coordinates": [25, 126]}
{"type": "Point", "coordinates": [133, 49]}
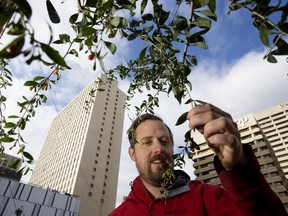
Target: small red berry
{"type": "Point", "coordinates": [56, 73]}
{"type": "Point", "coordinates": [91, 56]}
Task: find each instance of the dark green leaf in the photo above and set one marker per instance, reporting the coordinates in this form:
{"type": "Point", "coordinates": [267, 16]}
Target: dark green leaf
{"type": "Point", "coordinates": [143, 6]}
{"type": "Point", "coordinates": [14, 48]}
{"type": "Point", "coordinates": [209, 14]}
{"type": "Point", "coordinates": [53, 55]}
{"type": "Point", "coordinates": [9, 125]}
{"type": "Point", "coordinates": [14, 164]}
{"type": "Point", "coordinates": [147, 17]}
{"type": "Point", "coordinates": [110, 46]}
{"type": "Point", "coordinates": [182, 119]}
{"type": "Point", "coordinates": [87, 31]}
{"type": "Point", "coordinates": [7, 139]}
{"type": "Point", "coordinates": [24, 7]}
{"type": "Point", "coordinates": [28, 155]}
{"type": "Point", "coordinates": [201, 45]}
{"type": "Point", "coordinates": [30, 83]}
{"type": "Point", "coordinates": [264, 32]}
{"type": "Point", "coordinates": [73, 18]}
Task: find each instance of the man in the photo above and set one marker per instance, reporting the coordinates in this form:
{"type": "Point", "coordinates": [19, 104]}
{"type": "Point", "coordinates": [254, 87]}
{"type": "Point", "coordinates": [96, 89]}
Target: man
{"type": "Point", "coordinates": [246, 190]}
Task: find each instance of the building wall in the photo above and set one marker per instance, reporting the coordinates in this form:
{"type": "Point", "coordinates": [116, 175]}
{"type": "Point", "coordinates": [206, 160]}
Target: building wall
{"type": "Point", "coordinates": [267, 132]}
{"type": "Point", "coordinates": [81, 153]}
{"type": "Point", "coordinates": [34, 201]}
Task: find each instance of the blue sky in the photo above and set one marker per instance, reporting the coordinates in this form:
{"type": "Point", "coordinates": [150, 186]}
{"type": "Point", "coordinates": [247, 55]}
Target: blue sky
{"type": "Point", "coordinates": [231, 74]}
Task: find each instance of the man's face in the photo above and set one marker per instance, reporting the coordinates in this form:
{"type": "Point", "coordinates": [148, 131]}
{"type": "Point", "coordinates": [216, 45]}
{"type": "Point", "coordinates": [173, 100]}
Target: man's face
{"type": "Point", "coordinates": [153, 148]}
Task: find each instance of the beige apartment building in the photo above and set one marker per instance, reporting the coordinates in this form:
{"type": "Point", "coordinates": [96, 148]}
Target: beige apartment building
{"type": "Point", "coordinates": [267, 132]}
{"type": "Point", "coordinates": [81, 153]}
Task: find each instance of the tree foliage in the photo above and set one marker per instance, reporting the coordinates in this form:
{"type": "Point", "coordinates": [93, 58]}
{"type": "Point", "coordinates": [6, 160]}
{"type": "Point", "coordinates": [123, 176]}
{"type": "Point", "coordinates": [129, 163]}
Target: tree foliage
{"type": "Point", "coordinates": [163, 65]}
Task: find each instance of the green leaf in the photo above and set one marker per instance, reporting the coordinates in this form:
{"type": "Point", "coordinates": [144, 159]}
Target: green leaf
{"type": "Point", "coordinates": [212, 5]}
{"type": "Point", "coordinates": [14, 48]}
{"type": "Point", "coordinates": [201, 45]}
{"type": "Point", "coordinates": [30, 83]}
{"type": "Point", "coordinates": [264, 32]}
{"type": "Point", "coordinates": [282, 46]}
{"type": "Point", "coordinates": [13, 116]}
{"type": "Point", "coordinates": [271, 58]}
{"type": "Point", "coordinates": [209, 14]}
{"type": "Point", "coordinates": [14, 164]}
{"type": "Point", "coordinates": [143, 6]}
{"type": "Point", "coordinates": [53, 55]}
{"type": "Point", "coordinates": [9, 125]}
{"type": "Point", "coordinates": [147, 17]}
{"type": "Point", "coordinates": [24, 7]}
{"type": "Point", "coordinates": [87, 31]}
{"type": "Point", "coordinates": [119, 22]}
{"type": "Point", "coordinates": [28, 155]}
{"type": "Point", "coordinates": [7, 139]}
{"type": "Point", "coordinates": [73, 18]}
{"type": "Point", "coordinates": [182, 119]}
{"type": "Point", "coordinates": [110, 46]}
{"type": "Point", "coordinates": [202, 22]}
{"type": "Point", "coordinates": [131, 37]}
{"type": "Point", "coordinates": [142, 53]}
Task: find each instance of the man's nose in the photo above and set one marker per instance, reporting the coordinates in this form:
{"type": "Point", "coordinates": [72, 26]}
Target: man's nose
{"type": "Point", "coordinates": [157, 146]}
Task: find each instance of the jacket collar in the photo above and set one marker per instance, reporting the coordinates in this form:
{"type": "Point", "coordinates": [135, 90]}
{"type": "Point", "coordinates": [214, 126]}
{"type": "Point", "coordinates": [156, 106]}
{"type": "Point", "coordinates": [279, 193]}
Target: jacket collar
{"type": "Point", "coordinates": [181, 185]}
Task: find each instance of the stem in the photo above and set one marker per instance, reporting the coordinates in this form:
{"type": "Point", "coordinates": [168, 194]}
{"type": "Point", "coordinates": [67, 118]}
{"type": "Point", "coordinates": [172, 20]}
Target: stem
{"type": "Point", "coordinates": [189, 25]}
{"type": "Point", "coordinates": [265, 19]}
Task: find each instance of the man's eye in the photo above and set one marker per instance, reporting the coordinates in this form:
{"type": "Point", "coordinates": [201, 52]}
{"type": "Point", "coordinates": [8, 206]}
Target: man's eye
{"type": "Point", "coordinates": [146, 142]}
{"type": "Point", "coordinates": [165, 142]}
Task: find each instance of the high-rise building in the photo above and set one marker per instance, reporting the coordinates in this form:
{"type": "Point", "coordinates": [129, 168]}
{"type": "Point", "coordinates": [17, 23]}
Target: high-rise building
{"type": "Point", "coordinates": [81, 152]}
{"type": "Point", "coordinates": [267, 132]}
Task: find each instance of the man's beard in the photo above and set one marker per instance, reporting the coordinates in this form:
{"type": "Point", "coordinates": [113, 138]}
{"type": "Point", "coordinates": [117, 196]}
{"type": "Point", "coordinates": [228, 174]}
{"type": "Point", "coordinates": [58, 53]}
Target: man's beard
{"type": "Point", "coordinates": [153, 177]}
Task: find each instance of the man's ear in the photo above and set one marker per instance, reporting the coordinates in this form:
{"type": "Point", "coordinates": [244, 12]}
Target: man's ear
{"type": "Point", "coordinates": [131, 152]}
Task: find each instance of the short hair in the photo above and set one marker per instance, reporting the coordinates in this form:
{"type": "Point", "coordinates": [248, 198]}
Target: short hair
{"type": "Point", "coordinates": [132, 129]}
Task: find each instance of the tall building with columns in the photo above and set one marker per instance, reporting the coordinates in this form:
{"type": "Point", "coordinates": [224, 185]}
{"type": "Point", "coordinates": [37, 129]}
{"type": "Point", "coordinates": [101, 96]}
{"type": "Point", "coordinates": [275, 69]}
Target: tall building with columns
{"type": "Point", "coordinates": [267, 132]}
{"type": "Point", "coordinates": [81, 152]}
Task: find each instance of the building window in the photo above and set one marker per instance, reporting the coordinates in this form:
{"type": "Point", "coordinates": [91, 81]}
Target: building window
{"type": "Point", "coordinates": [91, 185]}
{"type": "Point", "coordinates": [102, 200]}
{"type": "Point", "coordinates": [93, 177]}
{"type": "Point", "coordinates": [103, 192]}
{"type": "Point", "coordinates": [90, 194]}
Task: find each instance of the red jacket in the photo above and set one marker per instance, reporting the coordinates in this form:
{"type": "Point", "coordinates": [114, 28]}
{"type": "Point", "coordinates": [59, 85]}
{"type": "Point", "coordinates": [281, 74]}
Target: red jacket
{"type": "Point", "coordinates": [247, 193]}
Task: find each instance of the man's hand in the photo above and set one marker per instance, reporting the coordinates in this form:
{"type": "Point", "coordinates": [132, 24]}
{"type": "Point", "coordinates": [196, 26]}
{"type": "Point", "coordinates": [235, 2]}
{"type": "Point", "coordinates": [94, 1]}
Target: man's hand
{"type": "Point", "coordinates": [220, 132]}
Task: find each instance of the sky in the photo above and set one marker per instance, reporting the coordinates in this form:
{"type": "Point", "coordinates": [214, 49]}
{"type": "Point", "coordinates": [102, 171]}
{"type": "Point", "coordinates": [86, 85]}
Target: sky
{"type": "Point", "coordinates": [231, 74]}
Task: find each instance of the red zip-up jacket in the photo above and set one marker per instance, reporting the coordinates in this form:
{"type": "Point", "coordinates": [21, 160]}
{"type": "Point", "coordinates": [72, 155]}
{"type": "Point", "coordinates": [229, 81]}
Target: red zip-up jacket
{"type": "Point", "coordinates": [246, 193]}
